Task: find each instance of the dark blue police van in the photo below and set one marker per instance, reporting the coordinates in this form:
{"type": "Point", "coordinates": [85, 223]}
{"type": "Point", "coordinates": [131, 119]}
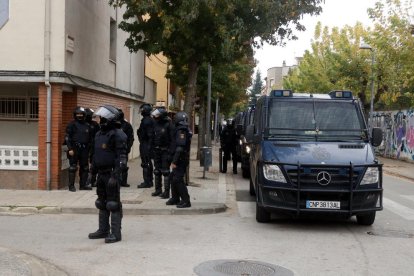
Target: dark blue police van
{"type": "Point", "coordinates": [313, 153]}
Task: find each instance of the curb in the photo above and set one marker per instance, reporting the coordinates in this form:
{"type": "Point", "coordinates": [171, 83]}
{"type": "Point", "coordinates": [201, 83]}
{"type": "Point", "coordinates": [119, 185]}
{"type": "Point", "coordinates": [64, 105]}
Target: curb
{"type": "Point", "coordinates": [398, 175]}
{"type": "Point", "coordinates": [196, 209]}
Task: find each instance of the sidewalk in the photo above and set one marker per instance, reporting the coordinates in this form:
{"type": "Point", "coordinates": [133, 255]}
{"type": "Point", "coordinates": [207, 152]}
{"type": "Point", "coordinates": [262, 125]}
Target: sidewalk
{"type": "Point", "coordinates": [207, 195]}
{"type": "Point", "coordinates": [398, 168]}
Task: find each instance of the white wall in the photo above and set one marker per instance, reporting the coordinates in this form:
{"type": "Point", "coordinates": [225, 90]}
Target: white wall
{"type": "Point", "coordinates": [88, 23]}
{"type": "Point", "coordinates": [22, 37]}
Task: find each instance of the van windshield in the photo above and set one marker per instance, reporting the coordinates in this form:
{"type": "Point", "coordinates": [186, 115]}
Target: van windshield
{"type": "Point", "coordinates": [315, 120]}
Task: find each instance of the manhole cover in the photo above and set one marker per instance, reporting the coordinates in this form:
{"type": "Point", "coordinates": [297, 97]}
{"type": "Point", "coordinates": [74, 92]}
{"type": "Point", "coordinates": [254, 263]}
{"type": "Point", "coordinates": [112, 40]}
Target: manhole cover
{"type": "Point", "coordinates": [241, 268]}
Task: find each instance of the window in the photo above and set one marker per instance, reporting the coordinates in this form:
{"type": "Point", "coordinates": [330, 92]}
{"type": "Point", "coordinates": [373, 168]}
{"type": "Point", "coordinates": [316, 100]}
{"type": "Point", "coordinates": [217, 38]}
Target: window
{"type": "Point", "coordinates": [19, 108]}
{"type": "Point", "coordinates": [112, 40]}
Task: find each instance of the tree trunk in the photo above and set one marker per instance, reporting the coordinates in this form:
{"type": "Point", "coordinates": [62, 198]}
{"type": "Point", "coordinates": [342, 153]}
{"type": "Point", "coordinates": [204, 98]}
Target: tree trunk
{"type": "Point", "coordinates": [190, 93]}
{"type": "Point", "coordinates": [177, 95]}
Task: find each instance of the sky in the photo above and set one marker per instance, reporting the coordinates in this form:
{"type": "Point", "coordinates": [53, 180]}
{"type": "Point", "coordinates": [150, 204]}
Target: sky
{"type": "Point", "coordinates": [334, 13]}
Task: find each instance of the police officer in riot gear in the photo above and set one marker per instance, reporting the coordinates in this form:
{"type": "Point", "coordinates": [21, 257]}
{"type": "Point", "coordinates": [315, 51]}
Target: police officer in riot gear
{"type": "Point", "coordinates": [109, 160]}
{"type": "Point", "coordinates": [228, 141]}
{"type": "Point", "coordinates": [163, 135]}
{"type": "Point", "coordinates": [126, 127]}
{"type": "Point", "coordinates": [180, 160]}
{"type": "Point", "coordinates": [94, 128]}
{"type": "Point", "coordinates": [78, 139]}
{"type": "Point", "coordinates": [145, 134]}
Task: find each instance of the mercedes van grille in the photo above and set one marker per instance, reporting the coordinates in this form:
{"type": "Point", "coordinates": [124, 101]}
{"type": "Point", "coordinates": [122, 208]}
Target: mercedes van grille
{"type": "Point", "coordinates": [339, 178]}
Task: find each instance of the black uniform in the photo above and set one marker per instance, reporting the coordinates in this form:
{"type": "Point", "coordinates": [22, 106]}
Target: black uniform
{"type": "Point", "coordinates": [228, 141]}
{"type": "Point", "coordinates": [163, 135]}
{"type": "Point", "coordinates": [109, 160]}
{"type": "Point", "coordinates": [78, 139]}
{"type": "Point", "coordinates": [180, 161]}
{"type": "Point", "coordinates": [94, 128]}
{"type": "Point", "coordinates": [145, 134]}
{"type": "Point", "coordinates": [126, 127]}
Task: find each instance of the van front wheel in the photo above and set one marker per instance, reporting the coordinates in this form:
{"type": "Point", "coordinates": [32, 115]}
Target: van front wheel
{"type": "Point", "coordinates": [262, 215]}
{"type": "Point", "coordinates": [366, 219]}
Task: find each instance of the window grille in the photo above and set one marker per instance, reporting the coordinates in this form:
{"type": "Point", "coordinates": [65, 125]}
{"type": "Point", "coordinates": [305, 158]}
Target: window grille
{"type": "Point", "coordinates": [19, 108]}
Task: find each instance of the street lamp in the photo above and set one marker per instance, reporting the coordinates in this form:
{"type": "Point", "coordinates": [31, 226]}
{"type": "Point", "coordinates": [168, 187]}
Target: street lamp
{"type": "Point", "coordinates": [365, 46]}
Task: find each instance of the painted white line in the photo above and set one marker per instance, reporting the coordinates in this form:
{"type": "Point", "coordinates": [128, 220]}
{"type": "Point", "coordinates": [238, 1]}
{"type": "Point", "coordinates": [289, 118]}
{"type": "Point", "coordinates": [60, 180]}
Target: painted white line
{"type": "Point", "coordinates": [398, 209]}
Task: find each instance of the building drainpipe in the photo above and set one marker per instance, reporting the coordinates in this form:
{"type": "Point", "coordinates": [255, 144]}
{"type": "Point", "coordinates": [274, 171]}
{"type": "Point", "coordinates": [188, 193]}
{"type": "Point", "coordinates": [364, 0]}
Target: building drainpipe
{"type": "Point", "coordinates": [49, 93]}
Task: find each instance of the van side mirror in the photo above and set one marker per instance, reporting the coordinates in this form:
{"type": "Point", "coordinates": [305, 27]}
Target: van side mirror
{"type": "Point", "coordinates": [249, 134]}
{"type": "Point", "coordinates": [376, 137]}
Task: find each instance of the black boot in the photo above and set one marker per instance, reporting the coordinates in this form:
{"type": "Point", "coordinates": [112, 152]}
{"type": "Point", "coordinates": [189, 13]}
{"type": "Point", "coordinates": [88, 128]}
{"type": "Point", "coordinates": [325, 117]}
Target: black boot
{"type": "Point", "coordinates": [166, 193]}
{"type": "Point", "coordinates": [145, 185]}
{"type": "Point", "coordinates": [184, 204]}
{"type": "Point", "coordinates": [158, 186]}
{"type": "Point", "coordinates": [103, 229]}
{"type": "Point", "coordinates": [72, 176]}
{"type": "Point", "coordinates": [115, 234]}
{"type": "Point", "coordinates": [83, 179]}
{"type": "Point", "coordinates": [172, 201]}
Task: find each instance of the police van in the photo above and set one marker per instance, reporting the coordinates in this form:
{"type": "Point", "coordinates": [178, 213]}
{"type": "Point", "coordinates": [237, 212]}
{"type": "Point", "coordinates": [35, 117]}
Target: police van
{"type": "Point", "coordinates": [313, 153]}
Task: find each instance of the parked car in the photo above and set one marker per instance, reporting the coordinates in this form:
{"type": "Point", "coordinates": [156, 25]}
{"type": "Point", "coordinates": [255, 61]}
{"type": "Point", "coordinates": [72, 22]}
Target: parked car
{"type": "Point", "coordinates": [244, 146]}
{"type": "Point", "coordinates": [313, 153]}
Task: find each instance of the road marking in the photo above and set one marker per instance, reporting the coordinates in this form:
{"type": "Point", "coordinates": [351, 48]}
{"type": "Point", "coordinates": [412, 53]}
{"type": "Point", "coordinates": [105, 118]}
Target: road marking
{"type": "Point", "coordinates": [398, 209]}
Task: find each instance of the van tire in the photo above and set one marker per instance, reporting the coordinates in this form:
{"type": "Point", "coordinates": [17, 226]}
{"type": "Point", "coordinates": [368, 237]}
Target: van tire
{"type": "Point", "coordinates": [366, 219]}
{"type": "Point", "coordinates": [262, 216]}
{"type": "Point", "coordinates": [251, 188]}
{"type": "Point", "coordinates": [245, 173]}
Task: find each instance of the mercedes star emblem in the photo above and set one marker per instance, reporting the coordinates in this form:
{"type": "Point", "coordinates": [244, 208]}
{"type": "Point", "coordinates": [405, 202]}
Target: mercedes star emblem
{"type": "Point", "coordinates": [323, 178]}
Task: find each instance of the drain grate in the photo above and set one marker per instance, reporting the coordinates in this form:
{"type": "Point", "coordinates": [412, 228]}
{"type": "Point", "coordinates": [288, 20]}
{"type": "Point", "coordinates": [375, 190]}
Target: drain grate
{"type": "Point", "coordinates": [240, 268]}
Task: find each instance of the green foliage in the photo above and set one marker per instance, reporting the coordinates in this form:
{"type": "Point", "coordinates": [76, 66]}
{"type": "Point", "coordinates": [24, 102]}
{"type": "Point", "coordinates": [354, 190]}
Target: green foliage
{"type": "Point", "coordinates": [337, 62]}
{"type": "Point", "coordinates": [194, 32]}
{"type": "Point", "coordinates": [257, 84]}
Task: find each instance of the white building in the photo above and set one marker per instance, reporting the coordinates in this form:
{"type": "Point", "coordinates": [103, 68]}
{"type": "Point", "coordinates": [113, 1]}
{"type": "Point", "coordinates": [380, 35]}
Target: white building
{"type": "Point", "coordinates": [54, 56]}
{"type": "Point", "coordinates": [275, 75]}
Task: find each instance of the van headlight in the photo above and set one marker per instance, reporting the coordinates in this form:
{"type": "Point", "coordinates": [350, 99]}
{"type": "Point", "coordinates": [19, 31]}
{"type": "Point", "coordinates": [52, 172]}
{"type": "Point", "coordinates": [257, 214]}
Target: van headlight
{"type": "Point", "coordinates": [371, 176]}
{"type": "Point", "coordinates": [273, 173]}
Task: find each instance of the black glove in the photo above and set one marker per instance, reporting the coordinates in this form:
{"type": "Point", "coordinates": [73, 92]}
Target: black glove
{"type": "Point", "coordinates": [113, 181]}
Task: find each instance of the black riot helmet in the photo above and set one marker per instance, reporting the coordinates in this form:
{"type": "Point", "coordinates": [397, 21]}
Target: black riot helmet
{"type": "Point", "coordinates": [89, 114]}
{"type": "Point", "coordinates": [109, 115]}
{"type": "Point", "coordinates": [79, 113]}
{"type": "Point", "coordinates": [160, 113]}
{"type": "Point", "coordinates": [181, 118]}
{"type": "Point", "coordinates": [230, 122]}
{"type": "Point", "coordinates": [145, 109]}
{"type": "Point", "coordinates": [121, 115]}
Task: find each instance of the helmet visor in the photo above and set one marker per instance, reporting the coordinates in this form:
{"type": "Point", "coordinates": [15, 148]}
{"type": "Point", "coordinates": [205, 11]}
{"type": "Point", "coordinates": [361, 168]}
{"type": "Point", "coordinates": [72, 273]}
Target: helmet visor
{"type": "Point", "coordinates": [156, 113]}
{"type": "Point", "coordinates": [105, 113]}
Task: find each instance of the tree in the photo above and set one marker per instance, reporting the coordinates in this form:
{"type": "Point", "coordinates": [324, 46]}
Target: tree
{"type": "Point", "coordinates": [256, 89]}
{"type": "Point", "coordinates": [334, 63]}
{"type": "Point", "coordinates": [193, 32]}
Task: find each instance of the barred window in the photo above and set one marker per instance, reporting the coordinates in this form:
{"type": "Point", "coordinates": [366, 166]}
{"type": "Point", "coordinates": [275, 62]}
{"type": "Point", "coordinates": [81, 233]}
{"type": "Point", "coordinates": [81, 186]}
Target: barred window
{"type": "Point", "coordinates": [19, 108]}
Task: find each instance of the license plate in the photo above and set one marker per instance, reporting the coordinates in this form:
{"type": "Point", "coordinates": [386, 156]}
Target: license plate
{"type": "Point", "coordinates": [318, 204]}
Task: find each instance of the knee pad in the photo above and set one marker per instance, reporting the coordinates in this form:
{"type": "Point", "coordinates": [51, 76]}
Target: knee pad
{"type": "Point", "coordinates": [112, 206]}
{"type": "Point", "coordinates": [73, 169]}
{"type": "Point", "coordinates": [165, 172]}
{"type": "Point", "coordinates": [145, 165]}
{"type": "Point", "coordinates": [100, 204]}
{"type": "Point", "coordinates": [157, 172]}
